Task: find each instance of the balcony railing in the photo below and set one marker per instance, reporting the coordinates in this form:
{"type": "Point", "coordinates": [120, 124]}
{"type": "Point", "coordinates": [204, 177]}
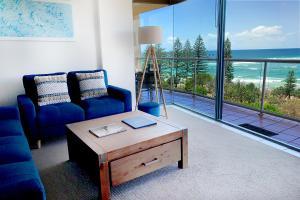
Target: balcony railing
{"type": "Point", "coordinates": [252, 86]}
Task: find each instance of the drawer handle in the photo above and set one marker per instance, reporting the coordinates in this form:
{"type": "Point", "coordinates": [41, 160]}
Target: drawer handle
{"type": "Point", "coordinates": [155, 160]}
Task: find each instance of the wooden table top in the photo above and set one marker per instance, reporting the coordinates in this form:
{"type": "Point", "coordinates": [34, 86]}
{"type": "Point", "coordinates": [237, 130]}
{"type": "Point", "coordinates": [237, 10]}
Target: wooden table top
{"type": "Point", "coordinates": [116, 142]}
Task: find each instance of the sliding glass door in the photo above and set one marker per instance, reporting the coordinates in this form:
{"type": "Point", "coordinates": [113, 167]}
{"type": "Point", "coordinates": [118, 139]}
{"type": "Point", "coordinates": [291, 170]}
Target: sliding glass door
{"type": "Point", "coordinates": [262, 68]}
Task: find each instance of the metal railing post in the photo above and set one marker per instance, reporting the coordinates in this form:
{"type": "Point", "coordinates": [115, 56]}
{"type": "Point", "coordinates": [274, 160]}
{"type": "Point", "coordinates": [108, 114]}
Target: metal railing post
{"type": "Point", "coordinates": [195, 78]}
{"type": "Point", "coordinates": [172, 80]}
{"type": "Point", "coordinates": [263, 90]}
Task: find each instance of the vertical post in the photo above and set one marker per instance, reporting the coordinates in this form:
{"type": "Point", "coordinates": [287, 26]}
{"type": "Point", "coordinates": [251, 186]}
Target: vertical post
{"type": "Point", "coordinates": [220, 60]}
{"type": "Point", "coordinates": [172, 80]}
{"type": "Point", "coordinates": [263, 90]}
{"type": "Point", "coordinates": [195, 78]}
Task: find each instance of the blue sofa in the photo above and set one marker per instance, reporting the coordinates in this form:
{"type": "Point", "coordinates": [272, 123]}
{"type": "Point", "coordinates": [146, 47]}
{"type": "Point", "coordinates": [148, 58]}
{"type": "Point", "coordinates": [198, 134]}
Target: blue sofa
{"type": "Point", "coordinates": [42, 122]}
{"type": "Point", "coordinates": [117, 101]}
{"type": "Point", "coordinates": [19, 178]}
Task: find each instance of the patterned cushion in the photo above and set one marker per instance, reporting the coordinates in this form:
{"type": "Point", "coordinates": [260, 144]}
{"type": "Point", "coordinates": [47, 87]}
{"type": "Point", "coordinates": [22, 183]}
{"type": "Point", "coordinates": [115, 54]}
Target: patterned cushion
{"type": "Point", "coordinates": [52, 89]}
{"type": "Point", "coordinates": [91, 85]}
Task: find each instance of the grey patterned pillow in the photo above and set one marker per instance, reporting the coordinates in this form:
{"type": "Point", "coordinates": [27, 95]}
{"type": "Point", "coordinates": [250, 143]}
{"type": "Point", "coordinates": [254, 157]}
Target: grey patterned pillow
{"type": "Point", "coordinates": [91, 85]}
{"type": "Point", "coordinates": [52, 89]}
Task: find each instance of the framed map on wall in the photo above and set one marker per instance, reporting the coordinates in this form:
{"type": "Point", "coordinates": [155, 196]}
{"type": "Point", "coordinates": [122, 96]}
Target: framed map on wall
{"type": "Point", "coordinates": [36, 20]}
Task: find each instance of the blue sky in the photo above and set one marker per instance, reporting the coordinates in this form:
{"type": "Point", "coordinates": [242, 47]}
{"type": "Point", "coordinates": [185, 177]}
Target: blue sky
{"type": "Point", "coordinates": [250, 24]}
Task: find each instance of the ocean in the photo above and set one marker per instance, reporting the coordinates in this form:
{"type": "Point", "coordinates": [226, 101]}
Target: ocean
{"type": "Point", "coordinates": [253, 72]}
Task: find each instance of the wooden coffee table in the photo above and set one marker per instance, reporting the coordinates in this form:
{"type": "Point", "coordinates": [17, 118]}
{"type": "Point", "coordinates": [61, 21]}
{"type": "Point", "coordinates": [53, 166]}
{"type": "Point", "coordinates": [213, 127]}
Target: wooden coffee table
{"type": "Point", "coordinates": [121, 157]}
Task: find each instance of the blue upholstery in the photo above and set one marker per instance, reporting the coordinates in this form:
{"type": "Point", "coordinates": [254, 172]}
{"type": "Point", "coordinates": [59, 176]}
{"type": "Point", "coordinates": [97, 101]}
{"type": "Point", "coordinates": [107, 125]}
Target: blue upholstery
{"type": "Point", "coordinates": [14, 149]}
{"type": "Point", "coordinates": [21, 180]}
{"type": "Point", "coordinates": [57, 114]}
{"type": "Point", "coordinates": [73, 84]}
{"type": "Point", "coordinates": [28, 117]}
{"type": "Point", "coordinates": [18, 174]}
{"type": "Point", "coordinates": [121, 94]}
{"type": "Point", "coordinates": [117, 101]}
{"type": "Point", "coordinates": [38, 120]}
{"type": "Point", "coordinates": [102, 106]}
{"type": "Point", "coordinates": [150, 107]}
{"type": "Point", "coordinates": [30, 87]}
{"type": "Point", "coordinates": [9, 113]}
{"type": "Point", "coordinates": [42, 122]}
{"type": "Point", "coordinates": [10, 127]}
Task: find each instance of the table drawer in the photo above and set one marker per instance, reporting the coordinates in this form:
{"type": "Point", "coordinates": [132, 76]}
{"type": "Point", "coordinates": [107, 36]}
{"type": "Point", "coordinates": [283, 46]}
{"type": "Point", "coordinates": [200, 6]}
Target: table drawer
{"type": "Point", "coordinates": [133, 166]}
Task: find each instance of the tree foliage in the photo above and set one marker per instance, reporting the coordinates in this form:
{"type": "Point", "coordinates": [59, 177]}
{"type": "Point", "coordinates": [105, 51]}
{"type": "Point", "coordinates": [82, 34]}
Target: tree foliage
{"type": "Point", "coordinates": [178, 52]}
{"type": "Point", "coordinates": [199, 51]}
{"type": "Point", "coordinates": [241, 92]}
{"type": "Point", "coordinates": [229, 76]}
{"type": "Point", "coordinates": [290, 84]}
{"type": "Point", "coordinates": [187, 53]}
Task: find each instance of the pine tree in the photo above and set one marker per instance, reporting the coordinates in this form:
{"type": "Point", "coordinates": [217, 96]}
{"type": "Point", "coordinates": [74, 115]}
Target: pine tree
{"type": "Point", "coordinates": [160, 52]}
{"type": "Point", "coordinates": [290, 83]}
{"type": "Point", "coordinates": [178, 53]}
{"type": "Point", "coordinates": [200, 53]}
{"type": "Point", "coordinates": [187, 53]}
{"type": "Point", "coordinates": [229, 76]}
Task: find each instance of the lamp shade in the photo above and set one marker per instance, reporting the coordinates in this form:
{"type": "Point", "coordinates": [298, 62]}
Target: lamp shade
{"type": "Point", "coordinates": [150, 35]}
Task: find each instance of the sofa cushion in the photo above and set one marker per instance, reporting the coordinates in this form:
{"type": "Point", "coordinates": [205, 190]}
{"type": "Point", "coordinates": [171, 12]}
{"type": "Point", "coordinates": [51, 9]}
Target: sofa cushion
{"type": "Point", "coordinates": [74, 89]}
{"type": "Point", "coordinates": [10, 128]}
{"type": "Point", "coordinates": [52, 89]}
{"type": "Point", "coordinates": [102, 106]}
{"type": "Point", "coordinates": [56, 114]}
{"type": "Point", "coordinates": [91, 85]}
{"type": "Point", "coordinates": [14, 149]}
{"type": "Point", "coordinates": [21, 181]}
{"type": "Point", "coordinates": [30, 87]}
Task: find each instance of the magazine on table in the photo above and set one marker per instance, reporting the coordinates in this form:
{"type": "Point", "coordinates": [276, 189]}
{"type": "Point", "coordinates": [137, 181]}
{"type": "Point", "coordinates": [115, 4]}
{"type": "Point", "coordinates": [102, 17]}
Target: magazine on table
{"type": "Point", "coordinates": [106, 130]}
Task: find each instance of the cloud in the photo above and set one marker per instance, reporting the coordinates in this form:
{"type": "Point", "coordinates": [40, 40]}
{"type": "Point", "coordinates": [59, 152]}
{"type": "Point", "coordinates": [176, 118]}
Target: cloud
{"type": "Point", "coordinates": [262, 36]}
{"type": "Point", "coordinates": [214, 35]}
{"type": "Point", "coordinates": [170, 39]}
{"type": "Point", "coordinates": [262, 32]}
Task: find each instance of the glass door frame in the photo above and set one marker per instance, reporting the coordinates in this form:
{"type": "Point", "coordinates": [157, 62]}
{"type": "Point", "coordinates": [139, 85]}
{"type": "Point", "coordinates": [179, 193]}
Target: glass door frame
{"type": "Point", "coordinates": [220, 67]}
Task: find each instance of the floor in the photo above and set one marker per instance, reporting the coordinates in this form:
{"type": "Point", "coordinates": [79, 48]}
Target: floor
{"type": "Point", "coordinates": [288, 131]}
{"type": "Point", "coordinates": [223, 164]}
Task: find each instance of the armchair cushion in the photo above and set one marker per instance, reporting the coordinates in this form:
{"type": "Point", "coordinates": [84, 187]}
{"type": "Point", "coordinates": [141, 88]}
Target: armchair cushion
{"type": "Point", "coordinates": [30, 86]}
{"type": "Point", "coordinates": [10, 127]}
{"type": "Point", "coordinates": [14, 149]}
{"type": "Point", "coordinates": [91, 85]}
{"type": "Point", "coordinates": [52, 89]}
{"type": "Point", "coordinates": [102, 106]}
{"type": "Point", "coordinates": [59, 114]}
{"type": "Point", "coordinates": [74, 88]}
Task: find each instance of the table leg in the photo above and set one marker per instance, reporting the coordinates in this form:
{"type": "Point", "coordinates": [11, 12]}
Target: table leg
{"type": "Point", "coordinates": [183, 163]}
{"type": "Point", "coordinates": [104, 181]}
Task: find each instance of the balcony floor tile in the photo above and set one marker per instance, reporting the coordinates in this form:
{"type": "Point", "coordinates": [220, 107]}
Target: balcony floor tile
{"type": "Point", "coordinates": [285, 137]}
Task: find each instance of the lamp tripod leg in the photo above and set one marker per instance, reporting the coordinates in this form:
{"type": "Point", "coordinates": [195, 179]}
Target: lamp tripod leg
{"type": "Point", "coordinates": [142, 81]}
{"type": "Point", "coordinates": [155, 72]}
{"type": "Point", "coordinates": [160, 84]}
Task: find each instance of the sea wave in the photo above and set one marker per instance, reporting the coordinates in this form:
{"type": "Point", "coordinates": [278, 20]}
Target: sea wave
{"type": "Point", "coordinates": [286, 58]}
{"type": "Point", "coordinates": [245, 63]}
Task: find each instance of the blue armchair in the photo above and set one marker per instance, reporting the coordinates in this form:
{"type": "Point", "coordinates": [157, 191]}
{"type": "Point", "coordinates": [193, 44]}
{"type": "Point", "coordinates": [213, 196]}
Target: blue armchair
{"type": "Point", "coordinates": [42, 122]}
{"type": "Point", "coordinates": [117, 101]}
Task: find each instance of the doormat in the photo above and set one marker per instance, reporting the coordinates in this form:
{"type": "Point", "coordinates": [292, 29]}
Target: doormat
{"type": "Point", "coordinates": [258, 130]}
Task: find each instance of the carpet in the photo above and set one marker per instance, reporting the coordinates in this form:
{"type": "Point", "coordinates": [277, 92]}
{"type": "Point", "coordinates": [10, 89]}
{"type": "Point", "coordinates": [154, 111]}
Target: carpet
{"type": "Point", "coordinates": [222, 165]}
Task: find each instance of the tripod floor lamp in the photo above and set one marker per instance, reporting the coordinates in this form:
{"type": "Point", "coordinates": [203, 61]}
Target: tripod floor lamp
{"type": "Point", "coordinates": [151, 35]}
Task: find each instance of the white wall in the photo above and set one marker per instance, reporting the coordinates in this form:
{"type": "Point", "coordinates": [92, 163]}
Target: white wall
{"type": "Point", "coordinates": [117, 49]}
{"type": "Point", "coordinates": [29, 57]}
{"type": "Point", "coordinates": [104, 37]}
